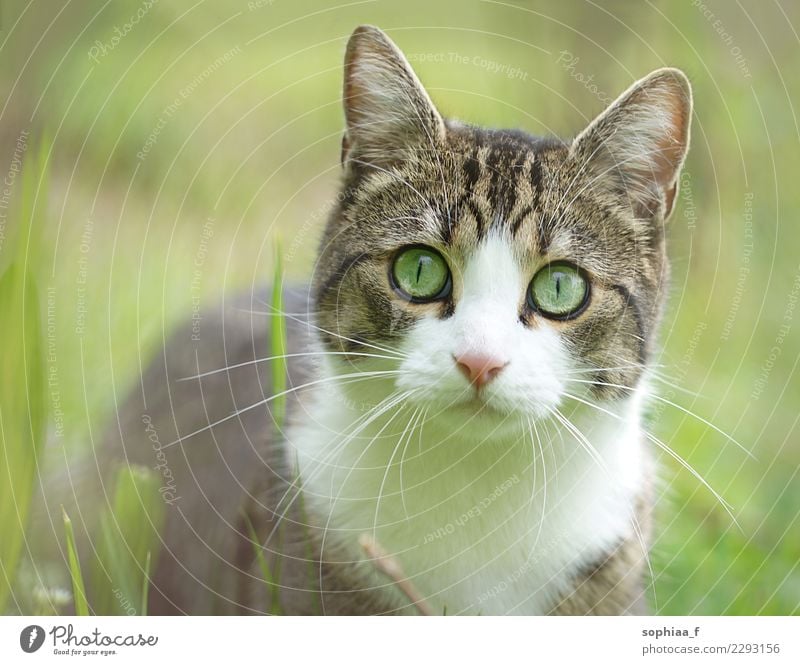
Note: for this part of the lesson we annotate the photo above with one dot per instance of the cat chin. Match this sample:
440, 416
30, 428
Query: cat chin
498, 406
478, 419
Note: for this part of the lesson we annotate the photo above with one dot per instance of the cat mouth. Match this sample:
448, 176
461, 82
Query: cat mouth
477, 405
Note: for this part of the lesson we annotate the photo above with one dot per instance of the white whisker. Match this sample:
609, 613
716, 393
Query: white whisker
284, 356
532, 421
360, 342
677, 406
238, 412
356, 428
670, 452
421, 424
395, 450
631, 512
353, 467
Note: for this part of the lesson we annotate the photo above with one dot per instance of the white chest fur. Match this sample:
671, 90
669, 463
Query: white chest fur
479, 526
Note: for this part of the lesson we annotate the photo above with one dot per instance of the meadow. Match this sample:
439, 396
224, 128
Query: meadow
154, 155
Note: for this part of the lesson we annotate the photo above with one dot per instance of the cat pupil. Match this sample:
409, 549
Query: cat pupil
558, 286
419, 267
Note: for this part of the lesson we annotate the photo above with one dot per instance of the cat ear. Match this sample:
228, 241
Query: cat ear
388, 112
639, 143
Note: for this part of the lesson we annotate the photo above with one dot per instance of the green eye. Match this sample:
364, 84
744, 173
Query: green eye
421, 274
559, 290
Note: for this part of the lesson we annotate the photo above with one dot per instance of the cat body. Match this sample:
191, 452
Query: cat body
468, 374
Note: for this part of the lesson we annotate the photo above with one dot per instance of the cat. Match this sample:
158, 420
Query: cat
467, 375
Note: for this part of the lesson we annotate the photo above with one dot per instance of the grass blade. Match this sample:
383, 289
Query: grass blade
78, 588
23, 396
278, 343
266, 573
145, 586
129, 533
312, 569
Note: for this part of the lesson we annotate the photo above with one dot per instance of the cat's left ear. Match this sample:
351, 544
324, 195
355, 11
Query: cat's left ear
638, 145
388, 112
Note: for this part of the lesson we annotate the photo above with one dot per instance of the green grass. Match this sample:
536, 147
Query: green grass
256, 146
129, 535
75, 572
271, 579
277, 339
129, 531
23, 414
148, 562
278, 367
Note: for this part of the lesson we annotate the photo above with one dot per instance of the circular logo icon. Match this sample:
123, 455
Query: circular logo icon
31, 638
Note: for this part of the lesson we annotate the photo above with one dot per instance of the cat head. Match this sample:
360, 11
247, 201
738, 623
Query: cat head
496, 272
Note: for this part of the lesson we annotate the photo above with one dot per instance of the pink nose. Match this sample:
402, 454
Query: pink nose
479, 368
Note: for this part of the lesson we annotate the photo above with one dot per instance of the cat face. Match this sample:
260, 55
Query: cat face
494, 271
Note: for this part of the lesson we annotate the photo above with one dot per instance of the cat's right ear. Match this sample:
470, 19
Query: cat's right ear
389, 114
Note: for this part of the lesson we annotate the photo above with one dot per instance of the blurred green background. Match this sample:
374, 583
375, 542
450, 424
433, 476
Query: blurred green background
184, 136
